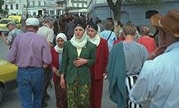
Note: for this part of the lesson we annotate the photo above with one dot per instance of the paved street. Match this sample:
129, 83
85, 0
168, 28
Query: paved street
11, 99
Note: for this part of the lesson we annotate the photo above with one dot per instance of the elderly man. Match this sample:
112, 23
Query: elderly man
12, 34
157, 85
47, 32
31, 53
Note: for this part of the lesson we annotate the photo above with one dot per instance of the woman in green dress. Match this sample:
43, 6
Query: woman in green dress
78, 56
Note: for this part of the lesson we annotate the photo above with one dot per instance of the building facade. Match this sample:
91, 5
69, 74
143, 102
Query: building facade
129, 12
44, 7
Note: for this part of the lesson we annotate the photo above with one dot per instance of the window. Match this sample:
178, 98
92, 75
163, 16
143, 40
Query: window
39, 3
17, 6
80, 5
33, 3
6, 7
11, 7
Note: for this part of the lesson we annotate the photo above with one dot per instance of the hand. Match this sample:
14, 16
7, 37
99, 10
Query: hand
44, 66
105, 75
79, 62
62, 81
55, 71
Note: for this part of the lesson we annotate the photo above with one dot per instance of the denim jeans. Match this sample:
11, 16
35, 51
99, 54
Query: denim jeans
30, 83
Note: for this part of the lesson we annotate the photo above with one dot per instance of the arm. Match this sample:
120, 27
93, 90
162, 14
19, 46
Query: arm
5, 39
46, 53
12, 54
144, 89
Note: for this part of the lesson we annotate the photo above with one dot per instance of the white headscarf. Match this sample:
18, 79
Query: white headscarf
79, 43
57, 48
95, 40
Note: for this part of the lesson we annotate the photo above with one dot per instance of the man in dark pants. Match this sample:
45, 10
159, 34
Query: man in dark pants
47, 32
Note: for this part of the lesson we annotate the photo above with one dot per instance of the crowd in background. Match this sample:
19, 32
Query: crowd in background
84, 52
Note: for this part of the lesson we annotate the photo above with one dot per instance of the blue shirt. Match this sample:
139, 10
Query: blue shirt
157, 85
105, 34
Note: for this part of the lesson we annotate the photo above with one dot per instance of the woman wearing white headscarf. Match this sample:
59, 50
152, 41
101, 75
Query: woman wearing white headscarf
98, 70
78, 56
60, 93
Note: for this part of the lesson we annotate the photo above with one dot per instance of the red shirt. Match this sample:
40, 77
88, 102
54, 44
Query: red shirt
119, 40
55, 61
100, 65
148, 42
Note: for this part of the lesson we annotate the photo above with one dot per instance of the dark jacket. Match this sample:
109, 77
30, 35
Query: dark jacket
69, 70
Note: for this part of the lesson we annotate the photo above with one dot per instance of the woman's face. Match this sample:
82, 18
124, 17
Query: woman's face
91, 32
79, 31
60, 42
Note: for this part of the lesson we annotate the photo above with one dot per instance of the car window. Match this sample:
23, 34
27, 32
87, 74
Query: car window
4, 21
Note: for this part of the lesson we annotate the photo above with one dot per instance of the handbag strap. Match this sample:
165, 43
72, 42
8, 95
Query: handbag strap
109, 35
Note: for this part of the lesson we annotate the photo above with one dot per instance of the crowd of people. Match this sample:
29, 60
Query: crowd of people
77, 54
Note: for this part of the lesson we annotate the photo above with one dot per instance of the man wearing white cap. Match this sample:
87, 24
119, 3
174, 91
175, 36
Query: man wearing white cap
31, 53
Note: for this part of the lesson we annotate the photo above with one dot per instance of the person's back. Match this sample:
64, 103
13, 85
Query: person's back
157, 85
70, 29
46, 32
30, 47
135, 55
12, 34
164, 80
109, 34
31, 53
146, 40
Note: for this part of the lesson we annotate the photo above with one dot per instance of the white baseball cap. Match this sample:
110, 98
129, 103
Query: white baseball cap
32, 21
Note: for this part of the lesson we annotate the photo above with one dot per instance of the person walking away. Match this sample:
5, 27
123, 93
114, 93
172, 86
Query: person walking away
31, 53
46, 31
60, 93
157, 84
125, 62
70, 27
146, 40
109, 34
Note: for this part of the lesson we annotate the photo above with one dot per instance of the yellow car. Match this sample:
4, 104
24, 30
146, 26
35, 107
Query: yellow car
5, 21
8, 73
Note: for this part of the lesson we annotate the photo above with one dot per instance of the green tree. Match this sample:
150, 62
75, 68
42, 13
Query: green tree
115, 5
